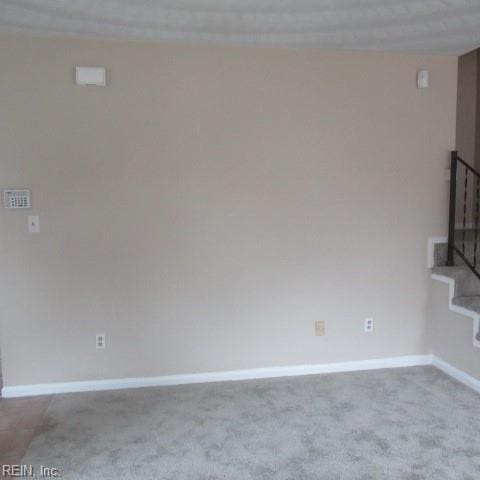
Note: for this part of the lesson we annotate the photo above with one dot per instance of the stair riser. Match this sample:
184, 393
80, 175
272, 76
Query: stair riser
440, 254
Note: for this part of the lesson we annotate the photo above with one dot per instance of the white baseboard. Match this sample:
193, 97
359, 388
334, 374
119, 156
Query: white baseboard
456, 373
255, 373
234, 375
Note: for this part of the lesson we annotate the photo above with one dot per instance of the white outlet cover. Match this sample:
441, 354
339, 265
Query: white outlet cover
368, 325
100, 341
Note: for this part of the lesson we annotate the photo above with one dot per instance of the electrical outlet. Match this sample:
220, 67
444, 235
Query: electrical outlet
319, 328
368, 325
100, 340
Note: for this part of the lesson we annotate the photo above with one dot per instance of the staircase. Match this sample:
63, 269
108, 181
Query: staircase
467, 285
464, 286
456, 260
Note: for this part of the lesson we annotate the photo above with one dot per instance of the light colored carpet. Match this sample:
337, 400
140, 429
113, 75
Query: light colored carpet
407, 424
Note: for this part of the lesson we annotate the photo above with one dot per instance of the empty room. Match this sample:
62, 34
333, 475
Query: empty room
240, 240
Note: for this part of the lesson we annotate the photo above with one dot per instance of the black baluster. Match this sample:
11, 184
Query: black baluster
477, 210
464, 210
452, 207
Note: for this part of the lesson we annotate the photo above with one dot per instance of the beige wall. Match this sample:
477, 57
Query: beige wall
213, 202
451, 334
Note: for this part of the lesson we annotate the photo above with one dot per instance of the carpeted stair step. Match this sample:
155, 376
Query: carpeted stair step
455, 272
469, 234
470, 302
440, 252
466, 283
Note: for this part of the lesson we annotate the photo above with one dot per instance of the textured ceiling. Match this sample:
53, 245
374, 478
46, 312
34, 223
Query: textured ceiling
434, 26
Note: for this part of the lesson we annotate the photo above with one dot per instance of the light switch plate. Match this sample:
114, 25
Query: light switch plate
319, 328
422, 78
33, 224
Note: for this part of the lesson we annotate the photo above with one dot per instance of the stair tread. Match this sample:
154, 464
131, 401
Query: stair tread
471, 302
453, 272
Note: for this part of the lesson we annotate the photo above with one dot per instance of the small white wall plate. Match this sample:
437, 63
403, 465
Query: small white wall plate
91, 76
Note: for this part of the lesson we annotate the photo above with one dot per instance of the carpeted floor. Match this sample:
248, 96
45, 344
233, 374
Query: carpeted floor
406, 424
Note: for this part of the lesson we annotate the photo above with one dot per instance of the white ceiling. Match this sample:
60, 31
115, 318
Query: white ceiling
431, 26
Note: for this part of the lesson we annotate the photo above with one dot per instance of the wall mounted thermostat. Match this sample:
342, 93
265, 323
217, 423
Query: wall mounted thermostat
16, 199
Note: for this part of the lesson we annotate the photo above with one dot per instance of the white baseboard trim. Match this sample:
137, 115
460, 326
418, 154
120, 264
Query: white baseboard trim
456, 373
233, 375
